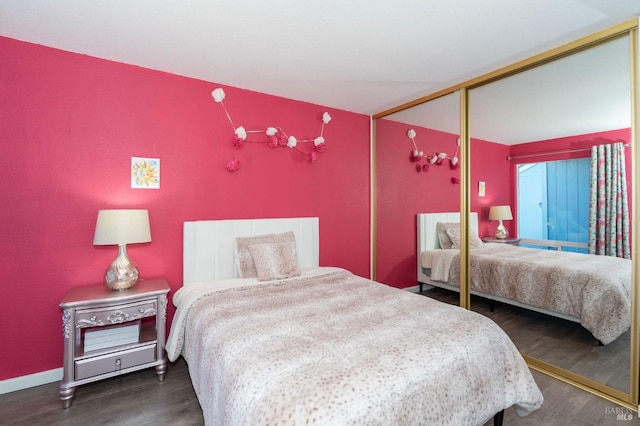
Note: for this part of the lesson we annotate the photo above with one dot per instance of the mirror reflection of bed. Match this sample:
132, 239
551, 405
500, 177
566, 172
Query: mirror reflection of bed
507, 287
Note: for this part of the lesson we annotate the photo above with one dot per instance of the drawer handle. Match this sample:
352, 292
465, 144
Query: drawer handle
118, 364
93, 317
141, 310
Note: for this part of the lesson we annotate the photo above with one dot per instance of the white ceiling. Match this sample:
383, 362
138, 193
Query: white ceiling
363, 56
583, 93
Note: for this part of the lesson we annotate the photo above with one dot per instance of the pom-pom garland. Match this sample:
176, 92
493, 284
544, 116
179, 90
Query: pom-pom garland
437, 158
275, 136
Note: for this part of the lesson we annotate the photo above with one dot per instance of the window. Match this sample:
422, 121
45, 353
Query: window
553, 201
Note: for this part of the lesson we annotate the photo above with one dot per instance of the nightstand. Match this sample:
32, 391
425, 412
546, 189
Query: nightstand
512, 241
108, 333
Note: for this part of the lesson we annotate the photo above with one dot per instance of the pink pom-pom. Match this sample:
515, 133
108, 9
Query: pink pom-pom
425, 167
238, 142
312, 157
233, 165
453, 166
273, 142
418, 167
321, 147
455, 180
282, 139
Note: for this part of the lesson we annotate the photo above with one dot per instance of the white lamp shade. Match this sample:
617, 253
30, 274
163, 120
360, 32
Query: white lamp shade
500, 213
122, 226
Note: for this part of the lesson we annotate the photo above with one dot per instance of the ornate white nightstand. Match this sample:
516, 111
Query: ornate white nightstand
108, 333
512, 241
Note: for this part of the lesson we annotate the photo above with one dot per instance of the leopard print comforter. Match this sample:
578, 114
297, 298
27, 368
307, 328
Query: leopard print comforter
339, 349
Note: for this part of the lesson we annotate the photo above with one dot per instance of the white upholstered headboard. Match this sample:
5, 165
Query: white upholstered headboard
209, 245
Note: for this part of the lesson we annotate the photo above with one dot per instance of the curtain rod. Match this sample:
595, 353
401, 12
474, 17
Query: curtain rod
511, 157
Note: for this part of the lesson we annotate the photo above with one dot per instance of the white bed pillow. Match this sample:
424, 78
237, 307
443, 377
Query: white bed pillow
274, 261
454, 235
443, 238
244, 262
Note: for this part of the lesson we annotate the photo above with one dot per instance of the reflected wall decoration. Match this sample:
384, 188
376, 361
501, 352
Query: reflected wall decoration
424, 161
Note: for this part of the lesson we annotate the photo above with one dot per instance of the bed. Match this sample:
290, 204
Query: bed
327, 346
591, 290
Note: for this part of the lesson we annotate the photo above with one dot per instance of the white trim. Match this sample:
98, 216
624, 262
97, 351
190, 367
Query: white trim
30, 380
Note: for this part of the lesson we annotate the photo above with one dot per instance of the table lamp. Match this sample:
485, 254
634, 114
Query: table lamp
500, 213
122, 227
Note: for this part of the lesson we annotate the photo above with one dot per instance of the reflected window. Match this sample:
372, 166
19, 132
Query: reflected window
553, 202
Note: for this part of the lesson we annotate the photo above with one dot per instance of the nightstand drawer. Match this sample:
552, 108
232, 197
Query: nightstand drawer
114, 362
106, 316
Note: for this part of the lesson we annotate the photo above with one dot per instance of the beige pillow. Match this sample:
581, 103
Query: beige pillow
454, 235
244, 262
441, 229
275, 261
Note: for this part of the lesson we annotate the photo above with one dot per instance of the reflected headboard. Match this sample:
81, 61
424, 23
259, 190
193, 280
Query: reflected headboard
209, 245
427, 235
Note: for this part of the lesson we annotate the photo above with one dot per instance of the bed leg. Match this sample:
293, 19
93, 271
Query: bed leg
497, 419
492, 306
420, 287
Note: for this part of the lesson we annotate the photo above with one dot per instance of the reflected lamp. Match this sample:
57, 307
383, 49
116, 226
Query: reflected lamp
121, 227
500, 213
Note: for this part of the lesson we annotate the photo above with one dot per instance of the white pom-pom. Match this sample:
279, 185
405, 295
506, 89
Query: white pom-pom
292, 142
454, 160
411, 133
420, 153
271, 131
326, 118
241, 133
416, 153
218, 95
318, 141
433, 159
458, 141
442, 155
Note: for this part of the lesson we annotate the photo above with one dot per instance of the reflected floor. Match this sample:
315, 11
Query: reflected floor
556, 341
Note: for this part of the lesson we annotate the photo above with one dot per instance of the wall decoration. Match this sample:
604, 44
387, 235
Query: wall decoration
481, 189
424, 162
274, 137
145, 173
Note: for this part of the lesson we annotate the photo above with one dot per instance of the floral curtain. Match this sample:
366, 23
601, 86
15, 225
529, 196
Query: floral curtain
609, 206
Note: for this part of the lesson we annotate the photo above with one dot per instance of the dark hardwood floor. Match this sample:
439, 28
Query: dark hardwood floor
139, 399
557, 341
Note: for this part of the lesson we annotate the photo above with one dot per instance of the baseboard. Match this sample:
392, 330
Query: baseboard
30, 380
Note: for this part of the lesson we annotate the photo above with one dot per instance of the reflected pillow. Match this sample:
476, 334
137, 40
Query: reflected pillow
244, 262
454, 235
275, 261
443, 238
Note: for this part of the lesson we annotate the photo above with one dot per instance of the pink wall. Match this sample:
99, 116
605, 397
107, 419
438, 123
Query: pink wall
489, 164
70, 125
402, 192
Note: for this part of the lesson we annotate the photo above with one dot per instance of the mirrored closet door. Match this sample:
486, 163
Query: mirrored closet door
547, 117
414, 149
526, 133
